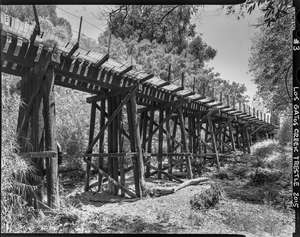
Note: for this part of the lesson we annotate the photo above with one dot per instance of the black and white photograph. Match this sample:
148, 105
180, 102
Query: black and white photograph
149, 118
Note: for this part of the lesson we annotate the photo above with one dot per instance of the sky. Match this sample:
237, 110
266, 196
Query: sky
229, 36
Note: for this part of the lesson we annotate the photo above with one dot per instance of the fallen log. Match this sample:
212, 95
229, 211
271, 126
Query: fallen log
154, 190
191, 182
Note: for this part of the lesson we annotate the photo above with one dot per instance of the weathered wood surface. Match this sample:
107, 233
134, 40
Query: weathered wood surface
39, 154
156, 190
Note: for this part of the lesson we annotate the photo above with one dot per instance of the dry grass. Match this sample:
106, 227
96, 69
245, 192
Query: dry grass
168, 214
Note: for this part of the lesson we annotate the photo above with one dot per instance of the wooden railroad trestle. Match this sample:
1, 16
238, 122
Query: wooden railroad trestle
147, 125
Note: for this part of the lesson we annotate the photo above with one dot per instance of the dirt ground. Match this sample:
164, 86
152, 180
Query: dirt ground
101, 212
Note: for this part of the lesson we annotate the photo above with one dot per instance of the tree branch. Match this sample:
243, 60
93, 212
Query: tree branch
168, 13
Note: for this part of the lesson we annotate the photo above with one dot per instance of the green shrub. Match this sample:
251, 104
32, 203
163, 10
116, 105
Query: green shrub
207, 199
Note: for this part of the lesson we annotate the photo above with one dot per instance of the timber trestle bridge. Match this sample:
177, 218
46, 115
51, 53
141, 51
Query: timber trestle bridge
167, 126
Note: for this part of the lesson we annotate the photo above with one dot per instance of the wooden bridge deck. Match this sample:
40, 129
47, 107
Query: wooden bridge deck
98, 74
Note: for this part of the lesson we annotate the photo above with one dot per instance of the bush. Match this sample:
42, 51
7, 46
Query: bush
263, 149
207, 199
222, 174
14, 169
285, 132
264, 175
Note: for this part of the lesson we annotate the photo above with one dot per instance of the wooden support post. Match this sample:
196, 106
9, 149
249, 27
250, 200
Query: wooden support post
160, 143
101, 142
116, 142
91, 136
37, 113
206, 136
174, 132
214, 142
149, 144
247, 138
50, 138
190, 133
237, 134
121, 159
184, 144
37, 127
230, 128
135, 144
113, 144
243, 138
169, 147
144, 124
199, 128
141, 125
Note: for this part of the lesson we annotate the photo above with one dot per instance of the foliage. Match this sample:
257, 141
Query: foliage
264, 175
201, 50
154, 53
153, 58
272, 9
271, 52
206, 199
285, 133
72, 120
169, 25
263, 149
25, 13
270, 64
56, 32
15, 171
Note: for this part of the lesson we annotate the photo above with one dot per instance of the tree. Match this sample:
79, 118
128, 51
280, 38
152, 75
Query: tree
201, 50
272, 9
271, 53
271, 63
25, 13
169, 25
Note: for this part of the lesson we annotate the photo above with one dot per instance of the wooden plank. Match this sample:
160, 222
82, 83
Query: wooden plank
122, 73
147, 78
102, 60
163, 84
111, 154
172, 154
177, 89
41, 154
